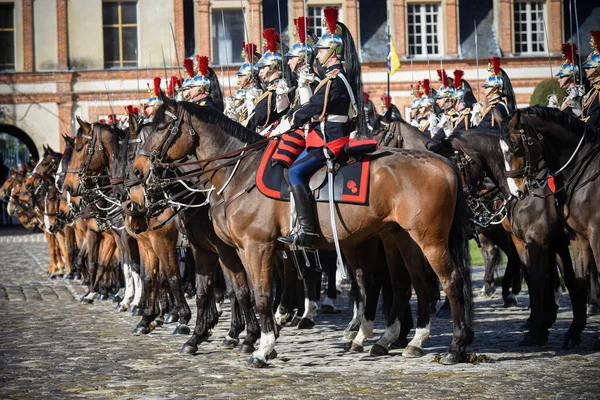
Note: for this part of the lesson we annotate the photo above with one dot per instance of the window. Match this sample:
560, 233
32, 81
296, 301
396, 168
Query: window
7, 37
188, 28
119, 22
529, 27
227, 39
316, 20
423, 29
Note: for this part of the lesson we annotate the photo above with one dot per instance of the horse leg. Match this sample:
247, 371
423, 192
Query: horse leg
357, 307
136, 270
52, 267
491, 257
220, 290
235, 272
150, 288
206, 312
309, 283
288, 278
328, 262
93, 239
576, 281
259, 259
165, 242
594, 293
105, 255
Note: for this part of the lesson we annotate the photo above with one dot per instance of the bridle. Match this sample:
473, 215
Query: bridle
90, 183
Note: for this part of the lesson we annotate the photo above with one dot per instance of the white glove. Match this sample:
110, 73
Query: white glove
552, 101
282, 87
305, 78
477, 114
433, 121
283, 127
580, 90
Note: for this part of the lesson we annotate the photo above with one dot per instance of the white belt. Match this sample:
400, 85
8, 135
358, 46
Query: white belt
342, 119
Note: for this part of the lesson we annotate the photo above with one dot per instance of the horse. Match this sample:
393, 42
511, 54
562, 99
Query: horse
396, 206
546, 147
536, 228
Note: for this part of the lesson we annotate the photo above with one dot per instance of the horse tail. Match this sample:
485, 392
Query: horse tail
459, 246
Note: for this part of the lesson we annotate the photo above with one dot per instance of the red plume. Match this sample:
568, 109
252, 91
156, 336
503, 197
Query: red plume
458, 75
569, 50
102, 121
136, 110
366, 97
188, 64
249, 49
129, 110
426, 87
443, 77
301, 24
272, 38
203, 65
496, 62
386, 101
596, 39
419, 91
157, 86
331, 16
172, 85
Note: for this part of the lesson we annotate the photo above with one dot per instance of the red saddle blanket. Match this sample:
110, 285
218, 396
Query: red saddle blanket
351, 182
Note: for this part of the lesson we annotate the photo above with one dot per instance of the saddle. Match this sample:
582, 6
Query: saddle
350, 179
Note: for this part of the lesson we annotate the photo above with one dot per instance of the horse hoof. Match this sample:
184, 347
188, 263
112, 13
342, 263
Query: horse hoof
69, 277
257, 362
378, 351
272, 355
358, 348
400, 343
189, 349
89, 301
593, 309
60, 275
141, 330
329, 309
137, 312
171, 319
526, 326
530, 339
487, 291
413, 352
453, 358
121, 308
83, 299
510, 301
247, 349
350, 335
230, 343
182, 330
444, 313
305, 323
117, 299
570, 343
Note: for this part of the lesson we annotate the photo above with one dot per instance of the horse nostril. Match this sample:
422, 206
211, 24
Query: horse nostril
68, 188
137, 173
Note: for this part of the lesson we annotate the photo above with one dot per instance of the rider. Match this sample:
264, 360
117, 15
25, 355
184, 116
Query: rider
446, 101
465, 102
590, 110
153, 102
241, 105
428, 110
333, 111
415, 105
203, 88
270, 106
568, 77
499, 94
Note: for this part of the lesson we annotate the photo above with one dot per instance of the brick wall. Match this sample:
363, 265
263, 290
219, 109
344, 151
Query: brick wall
62, 34
28, 62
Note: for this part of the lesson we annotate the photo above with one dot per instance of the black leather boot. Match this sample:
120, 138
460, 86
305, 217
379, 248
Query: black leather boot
304, 209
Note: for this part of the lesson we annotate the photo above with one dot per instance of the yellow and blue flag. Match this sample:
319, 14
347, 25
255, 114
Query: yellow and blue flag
392, 59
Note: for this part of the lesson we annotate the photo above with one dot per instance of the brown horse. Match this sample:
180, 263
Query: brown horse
414, 193
546, 147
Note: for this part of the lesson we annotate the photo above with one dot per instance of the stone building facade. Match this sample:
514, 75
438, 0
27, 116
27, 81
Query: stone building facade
69, 57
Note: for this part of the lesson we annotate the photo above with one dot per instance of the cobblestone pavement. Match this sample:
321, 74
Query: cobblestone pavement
52, 346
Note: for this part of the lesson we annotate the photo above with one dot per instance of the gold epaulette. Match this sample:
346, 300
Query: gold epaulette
332, 73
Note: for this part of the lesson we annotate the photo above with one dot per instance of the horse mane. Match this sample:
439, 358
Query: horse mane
212, 116
572, 124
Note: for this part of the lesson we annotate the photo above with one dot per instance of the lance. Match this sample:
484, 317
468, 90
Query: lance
571, 28
250, 56
389, 46
428, 67
304, 11
549, 58
176, 53
578, 43
477, 61
226, 52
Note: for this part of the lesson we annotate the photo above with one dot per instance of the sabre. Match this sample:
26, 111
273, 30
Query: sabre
226, 51
280, 34
112, 112
428, 67
164, 65
304, 12
578, 43
571, 28
477, 61
549, 59
176, 53
137, 77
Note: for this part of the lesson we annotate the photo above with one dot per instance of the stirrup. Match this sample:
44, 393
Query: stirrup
299, 240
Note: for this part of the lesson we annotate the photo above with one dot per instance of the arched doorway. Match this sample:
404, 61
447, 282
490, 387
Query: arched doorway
16, 146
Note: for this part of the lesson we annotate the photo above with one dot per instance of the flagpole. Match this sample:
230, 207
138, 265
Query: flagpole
389, 60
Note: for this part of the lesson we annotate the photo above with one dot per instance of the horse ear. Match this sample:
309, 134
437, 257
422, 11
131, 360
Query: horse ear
83, 124
69, 140
166, 100
13, 171
497, 116
133, 124
515, 120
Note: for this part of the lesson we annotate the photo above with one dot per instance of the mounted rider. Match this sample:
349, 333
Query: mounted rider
428, 109
466, 104
568, 76
590, 109
445, 100
499, 94
241, 105
154, 101
415, 105
273, 103
332, 112
202, 85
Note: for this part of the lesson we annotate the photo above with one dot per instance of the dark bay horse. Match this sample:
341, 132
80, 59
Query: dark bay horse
537, 228
546, 147
414, 196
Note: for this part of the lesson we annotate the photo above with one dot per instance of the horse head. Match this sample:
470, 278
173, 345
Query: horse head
44, 171
7, 186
